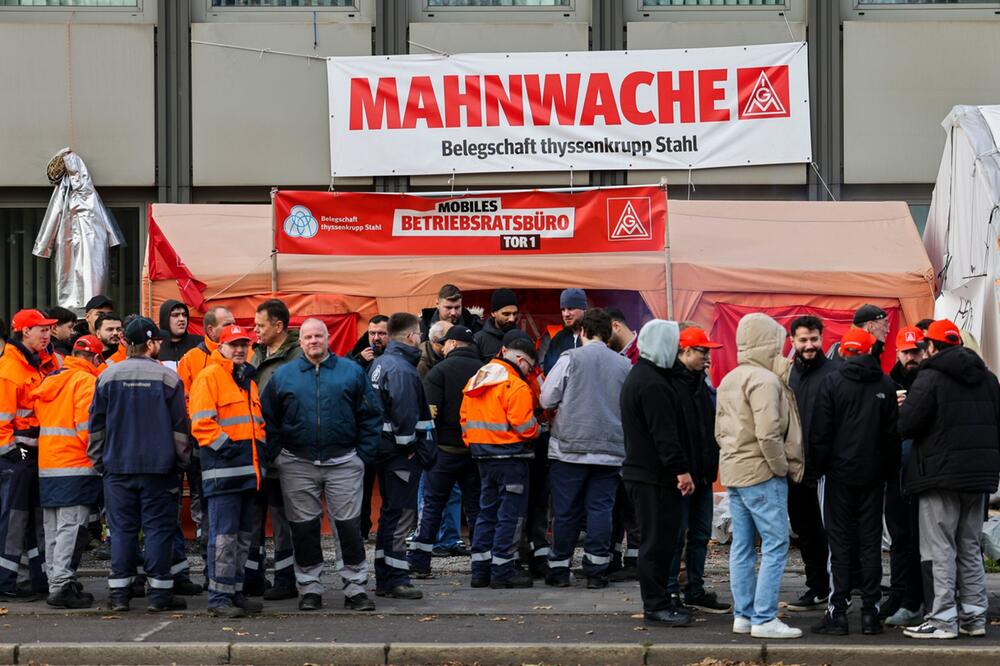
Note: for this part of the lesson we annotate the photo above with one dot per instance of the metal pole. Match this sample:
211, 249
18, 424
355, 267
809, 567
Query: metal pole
274, 249
666, 252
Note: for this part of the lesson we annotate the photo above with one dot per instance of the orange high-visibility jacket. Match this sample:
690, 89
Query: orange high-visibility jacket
193, 362
20, 373
119, 356
66, 477
227, 423
498, 412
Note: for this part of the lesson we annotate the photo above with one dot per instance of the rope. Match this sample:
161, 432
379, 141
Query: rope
260, 52
69, 81
820, 176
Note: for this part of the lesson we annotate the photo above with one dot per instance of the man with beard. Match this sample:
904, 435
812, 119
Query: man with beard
902, 607
503, 317
174, 320
808, 371
372, 344
623, 338
448, 308
91, 311
109, 331
572, 306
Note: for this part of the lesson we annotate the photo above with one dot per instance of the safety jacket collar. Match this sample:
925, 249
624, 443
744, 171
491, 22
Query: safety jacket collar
497, 371
208, 346
411, 354
23, 354
74, 364
241, 375
50, 387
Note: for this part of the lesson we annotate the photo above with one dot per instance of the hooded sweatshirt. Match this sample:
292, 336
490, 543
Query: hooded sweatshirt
757, 422
952, 413
169, 349
652, 420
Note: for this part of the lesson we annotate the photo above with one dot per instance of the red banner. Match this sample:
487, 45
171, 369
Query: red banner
628, 219
164, 264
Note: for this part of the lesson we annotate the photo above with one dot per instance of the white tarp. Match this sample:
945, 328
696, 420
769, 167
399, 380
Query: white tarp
496, 112
963, 225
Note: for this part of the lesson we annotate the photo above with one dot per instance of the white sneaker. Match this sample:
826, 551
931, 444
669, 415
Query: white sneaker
928, 630
741, 625
775, 629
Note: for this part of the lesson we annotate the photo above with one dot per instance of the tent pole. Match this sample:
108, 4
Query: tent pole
666, 254
274, 250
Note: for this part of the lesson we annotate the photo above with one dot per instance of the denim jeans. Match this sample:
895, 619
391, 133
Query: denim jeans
761, 509
692, 540
450, 532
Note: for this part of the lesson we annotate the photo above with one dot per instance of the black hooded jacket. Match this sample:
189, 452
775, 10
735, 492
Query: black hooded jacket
952, 413
853, 438
901, 378
698, 412
805, 380
489, 340
429, 317
170, 350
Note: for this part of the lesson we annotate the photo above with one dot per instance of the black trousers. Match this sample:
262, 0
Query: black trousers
366, 500
853, 515
807, 522
624, 526
902, 519
534, 547
658, 510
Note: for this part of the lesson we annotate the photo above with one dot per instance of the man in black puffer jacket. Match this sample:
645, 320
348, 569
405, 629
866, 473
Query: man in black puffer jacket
853, 441
952, 412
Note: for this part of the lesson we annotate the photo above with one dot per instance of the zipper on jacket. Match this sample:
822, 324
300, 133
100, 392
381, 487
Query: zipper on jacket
316, 373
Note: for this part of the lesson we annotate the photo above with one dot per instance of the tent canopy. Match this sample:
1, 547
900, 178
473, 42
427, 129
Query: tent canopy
749, 253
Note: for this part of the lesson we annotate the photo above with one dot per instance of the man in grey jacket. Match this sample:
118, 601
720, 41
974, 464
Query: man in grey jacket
586, 449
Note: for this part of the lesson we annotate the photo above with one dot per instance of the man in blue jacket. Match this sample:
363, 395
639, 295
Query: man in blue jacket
406, 446
322, 425
138, 442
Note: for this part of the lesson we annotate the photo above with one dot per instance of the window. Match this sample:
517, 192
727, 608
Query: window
69, 3
863, 3
437, 4
713, 3
283, 3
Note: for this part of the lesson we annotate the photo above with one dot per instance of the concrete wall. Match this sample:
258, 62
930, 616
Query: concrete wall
900, 80
112, 92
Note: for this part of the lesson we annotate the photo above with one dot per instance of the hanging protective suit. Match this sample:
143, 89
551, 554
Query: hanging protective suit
82, 230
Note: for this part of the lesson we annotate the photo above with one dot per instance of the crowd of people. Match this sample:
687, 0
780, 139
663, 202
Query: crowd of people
593, 430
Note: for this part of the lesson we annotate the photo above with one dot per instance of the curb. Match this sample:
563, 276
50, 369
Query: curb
489, 654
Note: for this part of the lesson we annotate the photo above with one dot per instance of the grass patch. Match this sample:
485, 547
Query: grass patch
991, 565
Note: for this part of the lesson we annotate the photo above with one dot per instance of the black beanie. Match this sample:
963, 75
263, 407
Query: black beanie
502, 298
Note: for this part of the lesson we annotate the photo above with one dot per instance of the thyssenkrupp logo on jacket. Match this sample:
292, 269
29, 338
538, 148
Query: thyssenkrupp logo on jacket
629, 218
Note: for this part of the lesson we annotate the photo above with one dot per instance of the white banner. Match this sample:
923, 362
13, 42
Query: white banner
608, 110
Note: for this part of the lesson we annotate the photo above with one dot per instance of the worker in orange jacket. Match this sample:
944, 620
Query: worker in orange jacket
69, 486
498, 425
227, 423
188, 368
21, 371
108, 327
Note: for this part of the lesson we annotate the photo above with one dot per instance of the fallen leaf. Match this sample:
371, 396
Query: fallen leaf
428, 618
177, 616
3, 611
590, 632
227, 629
499, 618
639, 629
111, 617
637, 616
541, 607
242, 633
782, 604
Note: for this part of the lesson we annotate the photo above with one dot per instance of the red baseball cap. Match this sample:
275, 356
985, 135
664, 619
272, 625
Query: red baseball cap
696, 337
232, 334
25, 319
89, 343
944, 330
909, 338
857, 340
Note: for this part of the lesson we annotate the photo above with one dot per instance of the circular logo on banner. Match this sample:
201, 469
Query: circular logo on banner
300, 223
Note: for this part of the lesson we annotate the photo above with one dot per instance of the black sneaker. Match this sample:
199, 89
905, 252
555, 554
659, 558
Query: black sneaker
359, 602
808, 602
871, 625
708, 602
538, 568
458, 550
80, 593
558, 579
171, 603
625, 575
832, 625
119, 605
479, 582
597, 582
68, 597
518, 580
279, 592
186, 587
247, 604
421, 574
401, 592
668, 617
229, 611
310, 602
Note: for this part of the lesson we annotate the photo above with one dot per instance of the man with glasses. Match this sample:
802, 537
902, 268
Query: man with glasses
695, 401
406, 447
870, 318
498, 425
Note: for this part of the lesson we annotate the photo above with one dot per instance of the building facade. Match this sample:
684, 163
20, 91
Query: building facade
210, 101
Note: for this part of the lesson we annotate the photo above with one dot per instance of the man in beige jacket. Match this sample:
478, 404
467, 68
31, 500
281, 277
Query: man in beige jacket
760, 437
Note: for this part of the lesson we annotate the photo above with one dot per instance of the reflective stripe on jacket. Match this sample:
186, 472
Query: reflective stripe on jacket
498, 412
193, 362
20, 372
66, 476
227, 423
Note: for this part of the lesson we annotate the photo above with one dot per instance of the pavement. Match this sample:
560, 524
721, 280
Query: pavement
454, 624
